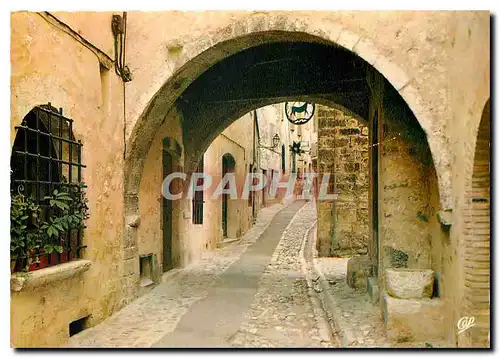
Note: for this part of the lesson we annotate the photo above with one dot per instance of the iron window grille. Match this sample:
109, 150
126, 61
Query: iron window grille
198, 198
45, 156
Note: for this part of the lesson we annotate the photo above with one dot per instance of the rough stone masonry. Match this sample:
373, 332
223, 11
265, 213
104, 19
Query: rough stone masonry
343, 151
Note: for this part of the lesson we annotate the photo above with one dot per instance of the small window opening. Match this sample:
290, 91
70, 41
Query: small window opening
435, 289
77, 326
146, 270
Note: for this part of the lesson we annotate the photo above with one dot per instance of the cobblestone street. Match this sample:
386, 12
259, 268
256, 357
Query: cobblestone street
282, 314
251, 293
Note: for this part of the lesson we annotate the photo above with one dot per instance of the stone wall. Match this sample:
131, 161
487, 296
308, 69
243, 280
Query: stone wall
190, 240
410, 235
343, 151
149, 230
50, 65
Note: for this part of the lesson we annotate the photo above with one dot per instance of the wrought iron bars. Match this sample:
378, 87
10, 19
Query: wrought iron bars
45, 157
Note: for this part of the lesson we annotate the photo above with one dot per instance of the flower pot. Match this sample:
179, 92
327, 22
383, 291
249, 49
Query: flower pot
54, 260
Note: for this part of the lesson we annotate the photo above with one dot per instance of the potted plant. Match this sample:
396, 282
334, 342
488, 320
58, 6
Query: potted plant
34, 240
25, 237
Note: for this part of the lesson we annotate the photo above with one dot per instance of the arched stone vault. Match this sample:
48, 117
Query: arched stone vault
198, 56
195, 149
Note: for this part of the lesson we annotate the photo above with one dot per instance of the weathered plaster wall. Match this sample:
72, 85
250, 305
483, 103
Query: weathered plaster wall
83, 22
271, 121
469, 77
190, 240
49, 65
149, 231
405, 207
235, 141
442, 256
410, 234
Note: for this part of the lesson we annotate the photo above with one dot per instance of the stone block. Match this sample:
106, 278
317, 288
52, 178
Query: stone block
445, 217
131, 266
409, 283
349, 131
133, 220
414, 320
348, 39
49, 275
358, 270
130, 252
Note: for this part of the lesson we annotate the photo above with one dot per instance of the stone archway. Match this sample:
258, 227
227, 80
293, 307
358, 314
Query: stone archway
477, 244
199, 56
201, 53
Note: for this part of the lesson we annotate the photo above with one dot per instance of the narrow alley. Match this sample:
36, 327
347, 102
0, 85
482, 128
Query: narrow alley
250, 179
251, 293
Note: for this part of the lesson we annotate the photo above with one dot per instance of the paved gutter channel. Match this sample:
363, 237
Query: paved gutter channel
339, 325
321, 310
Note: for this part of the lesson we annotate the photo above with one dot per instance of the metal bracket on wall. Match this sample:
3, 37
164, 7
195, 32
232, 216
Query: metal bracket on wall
119, 29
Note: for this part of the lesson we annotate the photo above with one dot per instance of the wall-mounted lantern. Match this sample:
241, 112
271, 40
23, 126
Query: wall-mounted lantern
276, 142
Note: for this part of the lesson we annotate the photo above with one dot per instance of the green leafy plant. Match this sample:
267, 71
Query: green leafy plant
30, 234
57, 224
25, 236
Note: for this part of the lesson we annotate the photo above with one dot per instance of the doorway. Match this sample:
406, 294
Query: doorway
264, 174
228, 164
167, 164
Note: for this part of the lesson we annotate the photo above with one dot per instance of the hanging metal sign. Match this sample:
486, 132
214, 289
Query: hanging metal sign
299, 112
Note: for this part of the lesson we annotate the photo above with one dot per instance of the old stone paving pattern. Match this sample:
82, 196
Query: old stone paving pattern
150, 317
281, 314
242, 295
360, 321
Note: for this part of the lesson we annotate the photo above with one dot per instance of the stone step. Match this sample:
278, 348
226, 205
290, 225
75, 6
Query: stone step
415, 320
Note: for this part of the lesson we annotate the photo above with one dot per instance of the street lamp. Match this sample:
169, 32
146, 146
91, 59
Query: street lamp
275, 144
276, 140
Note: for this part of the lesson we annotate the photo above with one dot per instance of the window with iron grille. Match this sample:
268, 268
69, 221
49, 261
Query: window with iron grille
198, 197
46, 169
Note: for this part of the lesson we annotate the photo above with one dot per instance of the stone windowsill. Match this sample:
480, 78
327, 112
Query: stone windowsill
24, 281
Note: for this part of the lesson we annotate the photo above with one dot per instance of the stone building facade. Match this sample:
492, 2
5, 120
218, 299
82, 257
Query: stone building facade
419, 77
